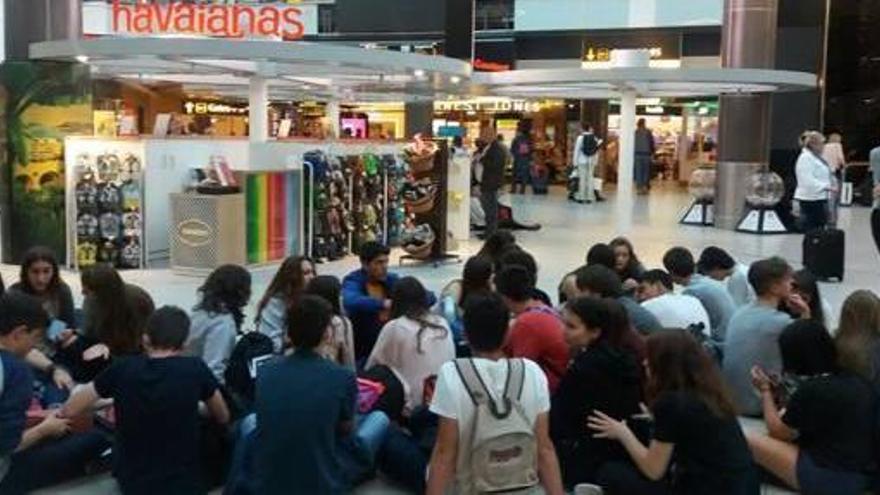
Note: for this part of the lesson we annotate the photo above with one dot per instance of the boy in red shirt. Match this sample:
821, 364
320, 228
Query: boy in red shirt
537, 330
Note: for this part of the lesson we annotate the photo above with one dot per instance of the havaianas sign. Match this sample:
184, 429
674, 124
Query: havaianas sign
150, 17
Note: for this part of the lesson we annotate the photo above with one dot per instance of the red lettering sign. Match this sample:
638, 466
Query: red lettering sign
148, 17
487, 66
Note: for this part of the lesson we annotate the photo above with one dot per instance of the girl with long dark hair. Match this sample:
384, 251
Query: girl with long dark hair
286, 286
858, 336
626, 263
603, 375
40, 278
806, 286
217, 318
476, 279
115, 313
820, 420
415, 343
694, 417
338, 344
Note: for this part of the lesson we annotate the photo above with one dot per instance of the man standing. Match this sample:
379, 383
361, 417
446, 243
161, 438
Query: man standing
494, 159
875, 215
644, 149
586, 156
521, 148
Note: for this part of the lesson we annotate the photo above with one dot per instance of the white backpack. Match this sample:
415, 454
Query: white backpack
503, 448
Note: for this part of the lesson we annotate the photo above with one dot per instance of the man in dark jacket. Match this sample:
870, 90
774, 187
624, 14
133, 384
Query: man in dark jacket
493, 160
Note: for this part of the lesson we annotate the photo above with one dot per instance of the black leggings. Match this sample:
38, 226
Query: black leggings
814, 214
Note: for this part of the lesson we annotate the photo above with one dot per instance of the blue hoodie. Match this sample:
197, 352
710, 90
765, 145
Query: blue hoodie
363, 310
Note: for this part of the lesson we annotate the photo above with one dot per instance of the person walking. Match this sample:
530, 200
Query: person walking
644, 150
493, 160
586, 156
521, 148
814, 183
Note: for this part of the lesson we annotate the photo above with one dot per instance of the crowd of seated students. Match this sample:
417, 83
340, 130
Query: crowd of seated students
634, 383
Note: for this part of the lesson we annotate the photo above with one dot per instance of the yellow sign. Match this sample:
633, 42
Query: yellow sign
603, 53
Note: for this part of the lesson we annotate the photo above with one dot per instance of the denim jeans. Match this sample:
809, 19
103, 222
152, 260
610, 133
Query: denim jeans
51, 396
53, 462
642, 170
357, 452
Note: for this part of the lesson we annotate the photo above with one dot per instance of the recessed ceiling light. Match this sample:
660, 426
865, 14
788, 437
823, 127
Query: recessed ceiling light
455, 79
83, 59
419, 73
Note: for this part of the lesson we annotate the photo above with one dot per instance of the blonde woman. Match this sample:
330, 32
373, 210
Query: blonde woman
814, 183
858, 336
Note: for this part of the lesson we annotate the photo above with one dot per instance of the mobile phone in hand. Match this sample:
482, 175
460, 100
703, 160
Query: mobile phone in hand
55, 329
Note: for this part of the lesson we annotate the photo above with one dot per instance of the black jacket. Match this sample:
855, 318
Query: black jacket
600, 378
493, 161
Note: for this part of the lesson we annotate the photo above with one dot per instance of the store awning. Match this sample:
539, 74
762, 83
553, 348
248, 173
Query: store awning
644, 81
296, 70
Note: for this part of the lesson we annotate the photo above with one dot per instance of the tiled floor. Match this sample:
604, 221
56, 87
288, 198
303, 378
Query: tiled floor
650, 222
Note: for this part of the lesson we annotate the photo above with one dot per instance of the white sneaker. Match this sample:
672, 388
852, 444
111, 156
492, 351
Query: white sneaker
587, 489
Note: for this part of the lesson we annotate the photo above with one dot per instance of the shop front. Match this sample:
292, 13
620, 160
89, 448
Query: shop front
163, 147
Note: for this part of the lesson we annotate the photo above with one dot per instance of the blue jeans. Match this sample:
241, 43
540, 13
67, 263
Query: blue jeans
642, 172
357, 452
50, 395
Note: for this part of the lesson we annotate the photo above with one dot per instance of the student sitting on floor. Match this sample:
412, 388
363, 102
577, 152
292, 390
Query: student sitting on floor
308, 439
603, 375
599, 281
679, 262
806, 286
671, 309
455, 462
476, 278
626, 264
858, 336
415, 343
218, 317
695, 427
288, 284
755, 328
516, 256
338, 345
717, 264
820, 436
47, 453
537, 331
156, 397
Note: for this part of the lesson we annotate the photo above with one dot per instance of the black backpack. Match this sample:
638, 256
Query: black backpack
251, 351
590, 145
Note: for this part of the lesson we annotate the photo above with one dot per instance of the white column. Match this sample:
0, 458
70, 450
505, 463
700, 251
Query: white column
259, 110
333, 119
627, 145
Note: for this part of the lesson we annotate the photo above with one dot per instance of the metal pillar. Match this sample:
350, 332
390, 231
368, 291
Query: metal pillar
627, 145
744, 119
258, 98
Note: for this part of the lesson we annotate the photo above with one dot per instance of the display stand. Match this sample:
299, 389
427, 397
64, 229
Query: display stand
436, 179
701, 212
207, 232
105, 203
761, 221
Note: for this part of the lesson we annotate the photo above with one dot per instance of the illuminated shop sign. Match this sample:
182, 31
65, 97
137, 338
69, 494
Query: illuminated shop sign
491, 106
489, 66
213, 108
603, 54
152, 17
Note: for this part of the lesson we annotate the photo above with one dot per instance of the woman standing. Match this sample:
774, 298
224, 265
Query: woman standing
602, 376
694, 418
814, 183
820, 437
217, 319
836, 160
289, 282
338, 344
415, 343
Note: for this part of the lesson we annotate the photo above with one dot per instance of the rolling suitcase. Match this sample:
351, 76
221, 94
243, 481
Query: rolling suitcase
824, 252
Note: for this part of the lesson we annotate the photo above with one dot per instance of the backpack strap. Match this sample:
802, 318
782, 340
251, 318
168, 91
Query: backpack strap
516, 374
472, 380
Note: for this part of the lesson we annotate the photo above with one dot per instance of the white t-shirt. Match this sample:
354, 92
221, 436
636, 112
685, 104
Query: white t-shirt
451, 399
397, 347
679, 311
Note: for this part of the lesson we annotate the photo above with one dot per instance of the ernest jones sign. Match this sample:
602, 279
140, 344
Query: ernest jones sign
221, 21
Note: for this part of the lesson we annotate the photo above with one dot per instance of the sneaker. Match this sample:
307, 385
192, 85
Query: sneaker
587, 489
